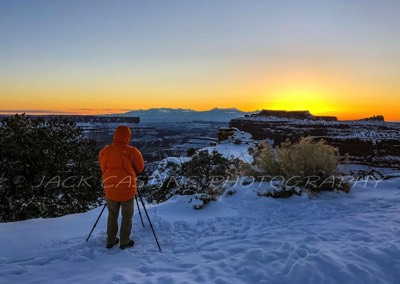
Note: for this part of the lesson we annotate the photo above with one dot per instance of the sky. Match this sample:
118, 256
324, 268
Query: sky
339, 57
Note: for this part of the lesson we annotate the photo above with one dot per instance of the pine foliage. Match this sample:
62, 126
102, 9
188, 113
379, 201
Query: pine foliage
47, 169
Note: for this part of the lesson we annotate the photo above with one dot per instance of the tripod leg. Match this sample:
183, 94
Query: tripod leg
140, 213
105, 204
151, 225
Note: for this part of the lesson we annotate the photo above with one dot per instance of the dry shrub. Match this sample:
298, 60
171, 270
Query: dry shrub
308, 158
305, 160
264, 162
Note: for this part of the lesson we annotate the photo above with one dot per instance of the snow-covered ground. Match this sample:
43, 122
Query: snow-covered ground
242, 238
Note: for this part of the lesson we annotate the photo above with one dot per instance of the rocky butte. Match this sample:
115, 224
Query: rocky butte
371, 141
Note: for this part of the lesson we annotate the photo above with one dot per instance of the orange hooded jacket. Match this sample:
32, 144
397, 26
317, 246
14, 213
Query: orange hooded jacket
119, 164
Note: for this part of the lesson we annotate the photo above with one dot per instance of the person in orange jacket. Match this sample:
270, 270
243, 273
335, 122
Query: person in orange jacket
119, 164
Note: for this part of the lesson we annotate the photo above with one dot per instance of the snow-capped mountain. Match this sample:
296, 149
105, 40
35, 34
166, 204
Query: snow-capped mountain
156, 115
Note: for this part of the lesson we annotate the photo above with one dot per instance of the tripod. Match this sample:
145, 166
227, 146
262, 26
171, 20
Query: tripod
140, 214
148, 218
104, 207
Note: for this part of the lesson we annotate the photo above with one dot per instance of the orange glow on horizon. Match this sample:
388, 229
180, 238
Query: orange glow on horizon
315, 108
321, 95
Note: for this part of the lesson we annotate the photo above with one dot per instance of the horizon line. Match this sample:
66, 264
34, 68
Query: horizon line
102, 112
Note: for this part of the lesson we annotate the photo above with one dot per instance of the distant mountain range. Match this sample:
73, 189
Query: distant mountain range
159, 115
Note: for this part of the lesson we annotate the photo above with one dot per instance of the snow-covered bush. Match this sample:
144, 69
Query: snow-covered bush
310, 164
204, 175
47, 169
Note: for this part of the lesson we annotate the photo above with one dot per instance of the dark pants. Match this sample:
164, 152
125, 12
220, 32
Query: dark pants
126, 222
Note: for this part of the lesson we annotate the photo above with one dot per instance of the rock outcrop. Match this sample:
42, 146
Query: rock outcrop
371, 141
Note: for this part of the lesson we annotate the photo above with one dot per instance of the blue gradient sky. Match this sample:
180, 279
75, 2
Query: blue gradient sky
331, 57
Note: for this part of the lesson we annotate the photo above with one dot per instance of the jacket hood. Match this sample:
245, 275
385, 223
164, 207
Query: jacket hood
122, 135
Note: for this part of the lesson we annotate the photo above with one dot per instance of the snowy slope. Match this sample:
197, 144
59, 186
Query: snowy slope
243, 238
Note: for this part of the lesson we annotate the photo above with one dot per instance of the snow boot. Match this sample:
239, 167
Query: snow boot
110, 246
128, 245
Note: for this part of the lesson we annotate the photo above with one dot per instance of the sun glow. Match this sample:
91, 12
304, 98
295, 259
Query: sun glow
300, 98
